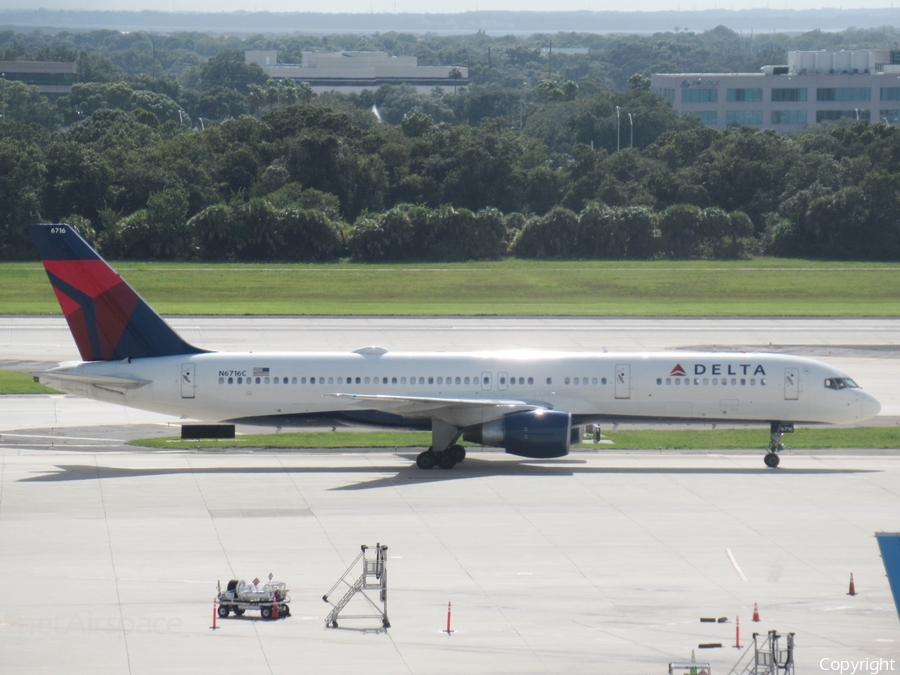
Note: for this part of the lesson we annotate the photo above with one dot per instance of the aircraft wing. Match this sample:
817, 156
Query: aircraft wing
459, 412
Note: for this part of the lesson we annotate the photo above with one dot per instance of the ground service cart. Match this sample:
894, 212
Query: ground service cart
271, 599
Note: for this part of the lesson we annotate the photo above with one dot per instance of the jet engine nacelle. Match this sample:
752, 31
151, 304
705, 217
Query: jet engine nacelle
539, 434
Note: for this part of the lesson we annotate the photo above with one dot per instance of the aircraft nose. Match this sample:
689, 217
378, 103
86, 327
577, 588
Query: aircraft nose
870, 406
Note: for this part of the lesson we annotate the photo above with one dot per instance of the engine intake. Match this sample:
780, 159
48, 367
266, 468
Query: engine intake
539, 434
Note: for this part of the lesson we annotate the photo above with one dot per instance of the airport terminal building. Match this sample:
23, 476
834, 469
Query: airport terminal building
355, 71
813, 87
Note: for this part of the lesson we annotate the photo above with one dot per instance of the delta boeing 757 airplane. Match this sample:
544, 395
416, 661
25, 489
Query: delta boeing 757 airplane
531, 404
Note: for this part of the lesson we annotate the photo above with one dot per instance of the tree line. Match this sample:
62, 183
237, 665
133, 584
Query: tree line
270, 171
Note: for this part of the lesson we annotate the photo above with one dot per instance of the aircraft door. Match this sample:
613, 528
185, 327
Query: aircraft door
187, 380
485, 381
502, 381
623, 381
791, 384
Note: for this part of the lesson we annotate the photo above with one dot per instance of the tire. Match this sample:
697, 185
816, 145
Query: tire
426, 460
772, 460
459, 452
238, 611
266, 612
223, 611
284, 610
447, 459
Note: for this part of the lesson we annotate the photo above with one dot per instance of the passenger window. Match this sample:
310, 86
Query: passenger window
715, 380
705, 381
594, 381
743, 382
293, 380
221, 380
549, 380
383, 380
240, 380
487, 380
458, 380
257, 380
576, 381
584, 381
302, 380
677, 380
402, 380
762, 382
687, 381
330, 380
430, 380
230, 380
668, 380
393, 380
733, 381
366, 380
696, 380
466, 380
312, 380
567, 380
752, 381
530, 380
440, 380
340, 380
285, 380
358, 381
502, 380
603, 381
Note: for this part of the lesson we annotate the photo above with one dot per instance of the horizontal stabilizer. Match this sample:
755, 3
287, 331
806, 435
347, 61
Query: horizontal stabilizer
105, 381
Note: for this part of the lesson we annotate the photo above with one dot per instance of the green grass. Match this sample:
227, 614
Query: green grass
762, 287
14, 382
711, 439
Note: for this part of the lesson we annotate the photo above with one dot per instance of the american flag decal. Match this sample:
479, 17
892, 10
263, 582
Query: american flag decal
260, 372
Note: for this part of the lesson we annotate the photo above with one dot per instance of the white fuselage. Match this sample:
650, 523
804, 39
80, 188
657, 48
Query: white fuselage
704, 386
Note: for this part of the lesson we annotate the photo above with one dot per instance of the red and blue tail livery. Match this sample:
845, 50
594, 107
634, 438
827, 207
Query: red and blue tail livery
108, 319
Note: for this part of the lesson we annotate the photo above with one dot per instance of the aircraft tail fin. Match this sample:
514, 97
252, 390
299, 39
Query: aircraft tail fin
107, 317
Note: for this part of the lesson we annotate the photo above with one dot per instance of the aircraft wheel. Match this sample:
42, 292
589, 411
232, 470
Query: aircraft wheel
447, 459
772, 460
426, 460
459, 452
223, 611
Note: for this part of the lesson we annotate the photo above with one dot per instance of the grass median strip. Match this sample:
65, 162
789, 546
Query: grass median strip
759, 287
705, 439
15, 382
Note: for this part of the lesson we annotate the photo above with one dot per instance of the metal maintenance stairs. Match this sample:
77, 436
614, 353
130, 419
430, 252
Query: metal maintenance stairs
768, 658
373, 577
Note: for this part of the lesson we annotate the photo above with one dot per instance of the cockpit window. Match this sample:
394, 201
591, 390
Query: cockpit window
840, 383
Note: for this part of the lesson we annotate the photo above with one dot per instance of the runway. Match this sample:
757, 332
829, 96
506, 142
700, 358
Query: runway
601, 562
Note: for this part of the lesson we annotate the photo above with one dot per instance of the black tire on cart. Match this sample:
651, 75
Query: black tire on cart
334, 624
223, 611
284, 610
238, 611
266, 612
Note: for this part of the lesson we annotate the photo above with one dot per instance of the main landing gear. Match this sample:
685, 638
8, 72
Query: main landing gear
446, 459
775, 444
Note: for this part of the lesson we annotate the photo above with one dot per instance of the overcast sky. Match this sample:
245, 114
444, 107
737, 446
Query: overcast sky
416, 6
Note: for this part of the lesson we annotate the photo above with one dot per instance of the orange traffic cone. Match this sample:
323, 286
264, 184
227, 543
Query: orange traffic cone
852, 590
755, 612
275, 611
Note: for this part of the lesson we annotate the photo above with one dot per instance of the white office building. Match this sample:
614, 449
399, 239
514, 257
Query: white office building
355, 71
813, 87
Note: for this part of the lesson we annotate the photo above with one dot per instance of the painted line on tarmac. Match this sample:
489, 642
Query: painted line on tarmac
737, 568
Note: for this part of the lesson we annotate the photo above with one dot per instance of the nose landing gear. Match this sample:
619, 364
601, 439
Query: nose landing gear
775, 445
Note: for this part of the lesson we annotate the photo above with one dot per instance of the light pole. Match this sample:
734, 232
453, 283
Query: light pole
631, 122
3, 111
618, 134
